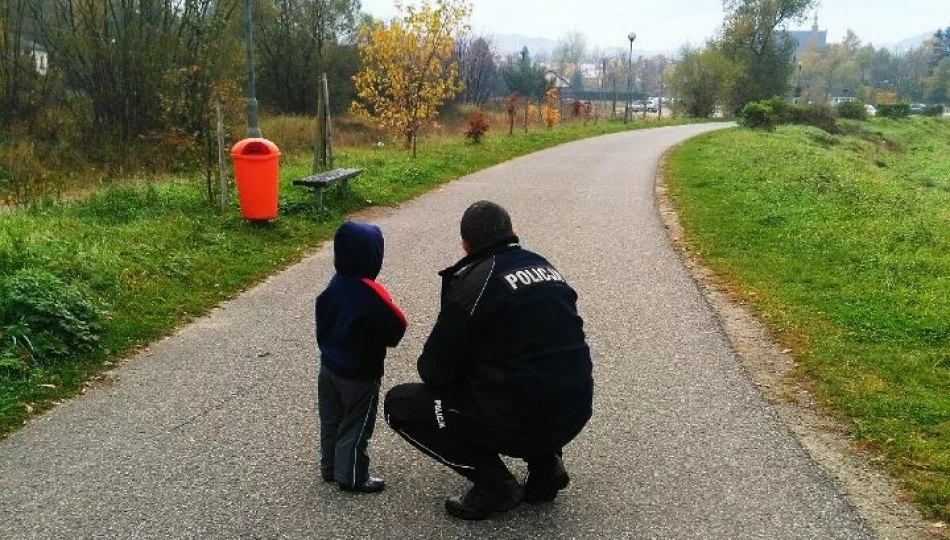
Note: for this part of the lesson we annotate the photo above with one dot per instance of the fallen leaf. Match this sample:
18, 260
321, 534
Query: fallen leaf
28, 407
786, 351
48, 385
263, 354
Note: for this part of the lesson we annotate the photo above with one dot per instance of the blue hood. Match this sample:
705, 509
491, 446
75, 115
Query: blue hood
358, 250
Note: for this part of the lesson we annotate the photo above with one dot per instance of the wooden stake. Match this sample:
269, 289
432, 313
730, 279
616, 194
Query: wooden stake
320, 146
328, 140
222, 163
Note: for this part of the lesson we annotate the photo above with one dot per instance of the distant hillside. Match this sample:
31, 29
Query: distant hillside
911, 43
512, 43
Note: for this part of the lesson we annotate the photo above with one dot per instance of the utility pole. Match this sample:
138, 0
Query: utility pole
253, 124
632, 36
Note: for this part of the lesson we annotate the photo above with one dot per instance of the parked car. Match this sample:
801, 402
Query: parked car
917, 108
637, 106
653, 105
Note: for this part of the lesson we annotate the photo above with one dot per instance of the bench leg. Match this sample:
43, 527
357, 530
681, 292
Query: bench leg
344, 188
318, 193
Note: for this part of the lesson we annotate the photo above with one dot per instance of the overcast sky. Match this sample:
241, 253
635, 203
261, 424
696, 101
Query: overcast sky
668, 24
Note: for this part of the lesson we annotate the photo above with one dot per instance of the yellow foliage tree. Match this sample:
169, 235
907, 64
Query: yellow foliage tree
550, 111
886, 97
408, 67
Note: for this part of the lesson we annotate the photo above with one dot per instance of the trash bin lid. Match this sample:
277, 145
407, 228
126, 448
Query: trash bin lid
254, 147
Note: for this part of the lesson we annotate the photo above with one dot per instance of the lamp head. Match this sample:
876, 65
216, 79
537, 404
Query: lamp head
632, 36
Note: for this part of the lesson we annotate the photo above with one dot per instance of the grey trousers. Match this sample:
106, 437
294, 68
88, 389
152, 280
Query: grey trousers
347, 409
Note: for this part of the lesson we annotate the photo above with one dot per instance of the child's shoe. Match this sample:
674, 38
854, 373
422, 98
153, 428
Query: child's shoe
370, 485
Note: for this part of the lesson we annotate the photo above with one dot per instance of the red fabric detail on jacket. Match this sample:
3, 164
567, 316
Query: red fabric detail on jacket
387, 299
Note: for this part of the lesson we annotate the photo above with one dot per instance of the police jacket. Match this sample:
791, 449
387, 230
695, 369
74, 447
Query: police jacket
508, 345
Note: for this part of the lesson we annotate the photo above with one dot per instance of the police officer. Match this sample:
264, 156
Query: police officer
506, 370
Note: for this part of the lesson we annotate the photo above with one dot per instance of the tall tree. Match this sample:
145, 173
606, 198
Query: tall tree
15, 70
525, 77
938, 84
143, 67
408, 66
297, 40
570, 51
753, 40
702, 81
941, 44
477, 71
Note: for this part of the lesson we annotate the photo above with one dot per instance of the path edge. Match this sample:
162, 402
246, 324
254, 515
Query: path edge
874, 494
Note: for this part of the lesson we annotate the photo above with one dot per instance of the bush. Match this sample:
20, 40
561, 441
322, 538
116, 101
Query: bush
771, 112
853, 110
476, 125
758, 115
894, 110
819, 116
934, 110
45, 321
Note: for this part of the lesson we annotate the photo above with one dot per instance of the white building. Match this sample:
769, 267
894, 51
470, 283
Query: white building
39, 55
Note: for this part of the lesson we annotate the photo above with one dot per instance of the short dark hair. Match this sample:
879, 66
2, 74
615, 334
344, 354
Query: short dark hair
485, 222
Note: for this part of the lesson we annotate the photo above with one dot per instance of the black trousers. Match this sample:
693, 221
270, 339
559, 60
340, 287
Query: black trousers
433, 424
347, 409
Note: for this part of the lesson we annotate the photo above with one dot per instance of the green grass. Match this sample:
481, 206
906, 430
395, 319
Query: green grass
843, 245
154, 256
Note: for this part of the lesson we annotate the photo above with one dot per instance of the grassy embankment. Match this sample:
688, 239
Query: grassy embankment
152, 256
842, 243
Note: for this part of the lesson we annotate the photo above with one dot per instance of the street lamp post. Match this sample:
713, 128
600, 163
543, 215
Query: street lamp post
632, 36
253, 124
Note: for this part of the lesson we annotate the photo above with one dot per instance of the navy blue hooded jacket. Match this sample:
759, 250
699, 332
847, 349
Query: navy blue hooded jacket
356, 318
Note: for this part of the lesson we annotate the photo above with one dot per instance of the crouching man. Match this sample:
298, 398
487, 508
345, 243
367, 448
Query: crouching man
505, 371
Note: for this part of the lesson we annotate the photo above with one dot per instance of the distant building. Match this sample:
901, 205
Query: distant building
556, 80
815, 38
38, 53
590, 70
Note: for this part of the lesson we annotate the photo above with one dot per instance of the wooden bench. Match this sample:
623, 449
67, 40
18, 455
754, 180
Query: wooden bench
320, 181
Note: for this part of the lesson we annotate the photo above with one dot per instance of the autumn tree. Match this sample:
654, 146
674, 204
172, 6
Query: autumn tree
550, 111
408, 66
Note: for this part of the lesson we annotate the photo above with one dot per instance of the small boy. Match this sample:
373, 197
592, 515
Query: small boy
355, 320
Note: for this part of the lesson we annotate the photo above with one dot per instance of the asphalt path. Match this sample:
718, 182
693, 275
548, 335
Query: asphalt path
211, 433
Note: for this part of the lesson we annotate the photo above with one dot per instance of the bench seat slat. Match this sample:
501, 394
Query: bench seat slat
324, 179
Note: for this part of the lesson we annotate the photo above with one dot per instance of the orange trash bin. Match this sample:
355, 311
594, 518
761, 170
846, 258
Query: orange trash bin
256, 173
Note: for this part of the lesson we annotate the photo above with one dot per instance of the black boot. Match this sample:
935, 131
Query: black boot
545, 480
483, 500
370, 485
